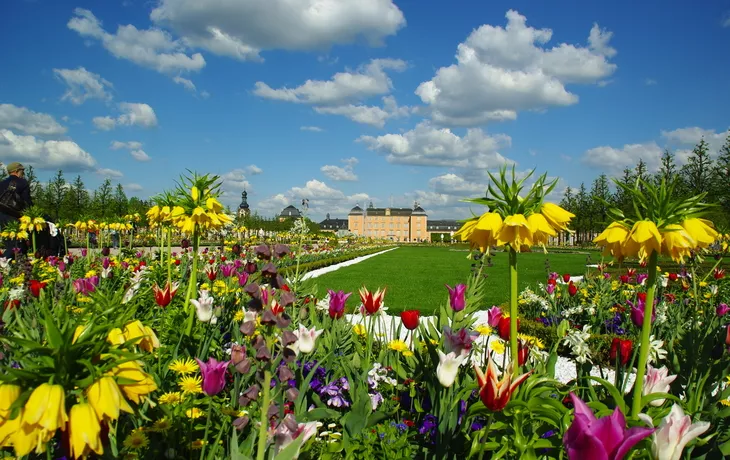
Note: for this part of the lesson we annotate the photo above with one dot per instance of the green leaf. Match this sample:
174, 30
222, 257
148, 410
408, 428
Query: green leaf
613, 391
291, 450
55, 340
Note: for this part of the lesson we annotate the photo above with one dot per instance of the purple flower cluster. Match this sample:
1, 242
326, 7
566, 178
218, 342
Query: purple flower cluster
613, 325
332, 393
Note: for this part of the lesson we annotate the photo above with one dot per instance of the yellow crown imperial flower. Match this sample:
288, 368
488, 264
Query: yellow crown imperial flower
194, 193
84, 431
556, 216
676, 242
515, 232
106, 399
612, 239
140, 384
46, 408
540, 228
700, 230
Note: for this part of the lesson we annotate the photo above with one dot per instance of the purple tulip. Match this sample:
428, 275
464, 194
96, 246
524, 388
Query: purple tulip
84, 252
722, 309
214, 375
227, 270
242, 279
637, 312
459, 342
641, 277
605, 438
456, 296
337, 303
105, 263
606, 276
494, 314
550, 288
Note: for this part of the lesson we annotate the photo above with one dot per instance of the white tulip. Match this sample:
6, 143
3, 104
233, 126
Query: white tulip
306, 337
448, 367
673, 434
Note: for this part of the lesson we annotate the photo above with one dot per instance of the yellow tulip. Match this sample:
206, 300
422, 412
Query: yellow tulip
84, 431
646, 235
540, 228
516, 232
677, 242
142, 384
46, 407
556, 216
106, 399
612, 239
8, 395
116, 337
701, 231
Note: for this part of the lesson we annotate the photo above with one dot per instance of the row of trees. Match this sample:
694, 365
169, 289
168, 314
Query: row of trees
703, 172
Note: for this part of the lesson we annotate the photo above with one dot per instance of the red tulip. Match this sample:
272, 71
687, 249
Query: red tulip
621, 349
503, 327
572, 289
496, 394
641, 296
719, 273
566, 277
673, 277
523, 351
631, 272
624, 278
551, 282
35, 287
212, 273
371, 302
410, 319
163, 297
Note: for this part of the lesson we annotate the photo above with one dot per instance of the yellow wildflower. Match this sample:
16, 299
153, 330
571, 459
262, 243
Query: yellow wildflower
191, 385
497, 346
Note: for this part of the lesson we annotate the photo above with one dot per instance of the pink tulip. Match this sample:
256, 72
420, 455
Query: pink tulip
214, 375
456, 296
605, 438
494, 314
722, 309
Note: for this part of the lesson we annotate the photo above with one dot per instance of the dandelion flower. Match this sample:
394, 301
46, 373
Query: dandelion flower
194, 413
191, 385
398, 345
184, 366
197, 444
484, 330
174, 398
161, 425
136, 440
497, 346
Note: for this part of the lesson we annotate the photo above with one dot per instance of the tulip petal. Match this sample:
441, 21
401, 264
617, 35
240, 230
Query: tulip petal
632, 437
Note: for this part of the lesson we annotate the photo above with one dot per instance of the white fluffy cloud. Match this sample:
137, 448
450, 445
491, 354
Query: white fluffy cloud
241, 29
427, 145
315, 129
132, 187
82, 85
680, 141
502, 70
369, 80
614, 160
187, 84
44, 154
342, 94
339, 173
322, 198
254, 170
26, 121
109, 173
153, 48
134, 148
235, 180
133, 114
452, 184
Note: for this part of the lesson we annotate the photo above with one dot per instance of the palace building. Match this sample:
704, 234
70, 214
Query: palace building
395, 224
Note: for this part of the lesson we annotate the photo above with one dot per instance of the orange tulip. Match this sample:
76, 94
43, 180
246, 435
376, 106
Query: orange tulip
496, 394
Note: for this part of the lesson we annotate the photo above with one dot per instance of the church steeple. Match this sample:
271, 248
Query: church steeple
243, 209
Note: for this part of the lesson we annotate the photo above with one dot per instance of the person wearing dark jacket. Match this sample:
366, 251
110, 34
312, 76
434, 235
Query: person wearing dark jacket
16, 176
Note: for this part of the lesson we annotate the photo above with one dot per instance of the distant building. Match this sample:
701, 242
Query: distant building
290, 212
447, 228
332, 225
395, 224
243, 209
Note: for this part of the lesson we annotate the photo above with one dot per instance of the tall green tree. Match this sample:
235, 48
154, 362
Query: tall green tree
697, 173
668, 167
621, 199
76, 204
721, 182
120, 201
55, 195
103, 198
600, 198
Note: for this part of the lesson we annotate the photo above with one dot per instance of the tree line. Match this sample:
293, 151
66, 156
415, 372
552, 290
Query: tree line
701, 173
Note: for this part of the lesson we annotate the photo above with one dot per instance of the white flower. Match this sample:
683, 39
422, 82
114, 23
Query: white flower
657, 381
448, 367
52, 229
713, 289
203, 306
576, 340
675, 431
306, 337
5, 263
656, 352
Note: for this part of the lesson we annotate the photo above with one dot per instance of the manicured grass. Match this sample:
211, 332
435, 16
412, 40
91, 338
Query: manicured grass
415, 276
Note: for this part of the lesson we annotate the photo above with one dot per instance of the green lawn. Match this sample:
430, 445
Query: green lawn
415, 276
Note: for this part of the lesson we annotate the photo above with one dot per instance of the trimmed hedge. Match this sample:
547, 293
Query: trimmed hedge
309, 266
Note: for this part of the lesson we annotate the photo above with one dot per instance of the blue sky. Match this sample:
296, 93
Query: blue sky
351, 101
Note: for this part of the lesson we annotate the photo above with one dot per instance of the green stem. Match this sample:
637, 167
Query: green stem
263, 427
32, 235
207, 426
513, 311
169, 256
645, 333
193, 285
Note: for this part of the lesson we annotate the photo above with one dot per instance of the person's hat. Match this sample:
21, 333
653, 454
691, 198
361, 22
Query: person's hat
15, 166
